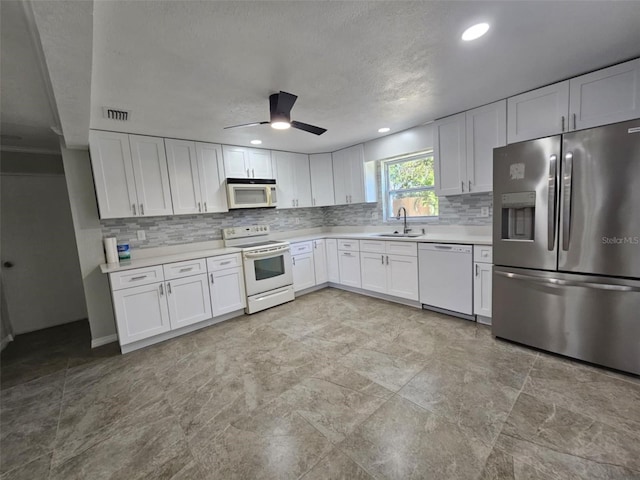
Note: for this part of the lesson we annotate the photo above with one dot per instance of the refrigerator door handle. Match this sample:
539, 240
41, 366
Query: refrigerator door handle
551, 201
569, 283
567, 173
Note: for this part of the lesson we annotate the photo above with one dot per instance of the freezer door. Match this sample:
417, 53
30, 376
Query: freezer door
585, 317
600, 208
525, 203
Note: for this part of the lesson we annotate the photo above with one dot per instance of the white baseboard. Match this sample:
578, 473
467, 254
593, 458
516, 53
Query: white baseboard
5, 341
98, 342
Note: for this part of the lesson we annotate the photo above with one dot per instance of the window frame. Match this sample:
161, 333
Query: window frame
387, 192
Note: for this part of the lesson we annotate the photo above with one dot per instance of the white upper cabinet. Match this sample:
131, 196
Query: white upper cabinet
606, 96
243, 162
293, 179
321, 171
538, 113
486, 129
113, 174
450, 155
183, 175
151, 175
349, 176
211, 177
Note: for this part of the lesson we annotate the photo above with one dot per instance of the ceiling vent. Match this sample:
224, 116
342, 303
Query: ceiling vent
116, 114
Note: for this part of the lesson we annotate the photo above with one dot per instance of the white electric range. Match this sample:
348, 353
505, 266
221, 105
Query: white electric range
267, 266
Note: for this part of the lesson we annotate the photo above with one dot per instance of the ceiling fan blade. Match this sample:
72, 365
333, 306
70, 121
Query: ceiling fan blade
246, 125
308, 128
284, 103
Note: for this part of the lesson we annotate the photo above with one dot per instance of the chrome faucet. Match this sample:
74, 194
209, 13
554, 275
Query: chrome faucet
405, 230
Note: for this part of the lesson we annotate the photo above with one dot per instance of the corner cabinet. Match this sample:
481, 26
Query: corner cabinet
321, 171
320, 261
463, 150
333, 268
353, 180
243, 162
130, 174
293, 179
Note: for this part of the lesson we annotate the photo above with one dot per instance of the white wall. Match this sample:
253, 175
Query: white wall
84, 210
414, 139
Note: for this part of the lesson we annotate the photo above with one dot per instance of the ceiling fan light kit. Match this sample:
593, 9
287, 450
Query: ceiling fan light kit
280, 105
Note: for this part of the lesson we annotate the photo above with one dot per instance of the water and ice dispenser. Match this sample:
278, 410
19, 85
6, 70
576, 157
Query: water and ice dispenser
518, 215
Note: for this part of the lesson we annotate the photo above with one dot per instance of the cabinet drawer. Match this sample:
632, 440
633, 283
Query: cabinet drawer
351, 245
184, 269
372, 246
483, 253
300, 248
136, 277
402, 248
223, 262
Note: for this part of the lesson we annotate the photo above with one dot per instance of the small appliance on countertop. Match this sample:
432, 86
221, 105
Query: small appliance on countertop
266, 264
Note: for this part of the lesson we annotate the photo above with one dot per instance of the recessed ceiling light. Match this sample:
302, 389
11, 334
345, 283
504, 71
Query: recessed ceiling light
475, 31
256, 142
383, 130
280, 125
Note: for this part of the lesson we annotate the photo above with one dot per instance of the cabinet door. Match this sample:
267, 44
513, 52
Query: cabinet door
321, 172
189, 300
304, 275
320, 261
211, 173
113, 174
482, 289
373, 272
349, 265
340, 181
450, 155
227, 291
260, 163
607, 96
302, 178
183, 176
151, 174
486, 129
356, 174
539, 113
333, 269
402, 277
141, 312
236, 162
285, 179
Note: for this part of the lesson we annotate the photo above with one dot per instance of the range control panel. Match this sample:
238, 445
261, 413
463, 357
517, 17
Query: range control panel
243, 232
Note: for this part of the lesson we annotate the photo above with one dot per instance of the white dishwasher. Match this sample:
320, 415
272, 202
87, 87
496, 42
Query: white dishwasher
446, 276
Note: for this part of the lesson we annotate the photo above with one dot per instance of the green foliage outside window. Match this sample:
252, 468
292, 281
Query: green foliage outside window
410, 184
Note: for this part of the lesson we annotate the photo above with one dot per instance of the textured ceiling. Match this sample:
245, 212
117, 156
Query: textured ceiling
26, 112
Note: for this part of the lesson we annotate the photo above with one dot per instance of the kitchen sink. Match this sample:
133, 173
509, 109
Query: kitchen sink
398, 234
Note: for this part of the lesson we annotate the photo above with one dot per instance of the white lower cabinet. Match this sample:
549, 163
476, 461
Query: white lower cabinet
482, 282
395, 275
333, 268
320, 262
189, 300
373, 272
227, 291
141, 312
304, 275
349, 266
402, 277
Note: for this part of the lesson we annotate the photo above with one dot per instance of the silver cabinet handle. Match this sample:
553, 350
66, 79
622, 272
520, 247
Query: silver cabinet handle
205, 206
227, 262
469, 185
563, 123
476, 269
248, 174
462, 185
211, 275
313, 202
186, 269
574, 121
199, 207
551, 201
141, 209
253, 173
161, 290
347, 254
387, 259
294, 260
137, 278
569, 283
169, 288
346, 244
382, 258
443, 247
567, 174
134, 209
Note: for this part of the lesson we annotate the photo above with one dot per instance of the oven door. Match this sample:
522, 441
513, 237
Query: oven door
267, 269
249, 196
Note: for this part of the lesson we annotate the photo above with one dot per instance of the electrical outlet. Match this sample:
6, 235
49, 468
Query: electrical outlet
374, 215
141, 235
296, 221
484, 212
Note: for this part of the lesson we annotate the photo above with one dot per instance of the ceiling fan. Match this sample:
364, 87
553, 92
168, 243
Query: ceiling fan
280, 105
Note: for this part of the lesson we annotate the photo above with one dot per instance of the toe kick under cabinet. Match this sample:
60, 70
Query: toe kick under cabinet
155, 303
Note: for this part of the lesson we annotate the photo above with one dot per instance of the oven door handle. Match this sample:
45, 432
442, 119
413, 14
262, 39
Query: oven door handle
270, 253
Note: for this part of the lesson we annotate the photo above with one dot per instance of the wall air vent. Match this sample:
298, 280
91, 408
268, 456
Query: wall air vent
116, 114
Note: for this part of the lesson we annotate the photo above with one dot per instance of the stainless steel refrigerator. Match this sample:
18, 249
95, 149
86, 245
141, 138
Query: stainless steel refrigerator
566, 238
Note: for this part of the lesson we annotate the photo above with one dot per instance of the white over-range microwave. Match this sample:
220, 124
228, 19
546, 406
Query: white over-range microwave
251, 193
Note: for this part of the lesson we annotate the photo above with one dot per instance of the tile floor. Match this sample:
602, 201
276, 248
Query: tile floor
334, 385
